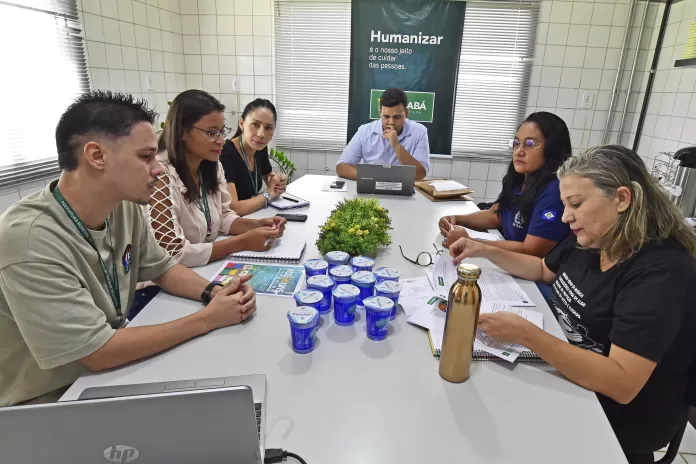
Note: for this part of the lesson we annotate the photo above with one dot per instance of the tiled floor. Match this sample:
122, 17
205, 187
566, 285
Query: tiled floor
687, 449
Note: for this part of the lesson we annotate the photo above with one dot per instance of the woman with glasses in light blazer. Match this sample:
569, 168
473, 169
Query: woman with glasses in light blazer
190, 206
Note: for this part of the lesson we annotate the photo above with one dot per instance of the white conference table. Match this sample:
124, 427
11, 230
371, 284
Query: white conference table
355, 401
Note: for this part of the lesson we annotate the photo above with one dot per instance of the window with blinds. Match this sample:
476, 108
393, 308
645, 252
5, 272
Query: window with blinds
312, 50
494, 71
312, 72
44, 69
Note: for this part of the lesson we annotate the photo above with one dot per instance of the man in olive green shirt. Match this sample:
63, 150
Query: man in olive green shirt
73, 253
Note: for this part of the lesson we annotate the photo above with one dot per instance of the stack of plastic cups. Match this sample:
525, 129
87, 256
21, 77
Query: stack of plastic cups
323, 284
345, 297
391, 290
365, 281
378, 310
341, 274
387, 273
336, 258
304, 322
362, 263
315, 267
310, 298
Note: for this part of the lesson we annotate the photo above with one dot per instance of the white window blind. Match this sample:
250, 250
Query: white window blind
43, 71
312, 72
494, 72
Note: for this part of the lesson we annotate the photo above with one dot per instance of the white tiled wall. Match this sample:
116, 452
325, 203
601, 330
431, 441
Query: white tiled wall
127, 39
671, 120
228, 50
577, 53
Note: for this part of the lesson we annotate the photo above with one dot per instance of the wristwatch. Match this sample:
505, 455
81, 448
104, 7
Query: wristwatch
205, 296
266, 196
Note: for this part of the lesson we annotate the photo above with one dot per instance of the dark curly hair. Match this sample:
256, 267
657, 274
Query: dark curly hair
102, 112
557, 149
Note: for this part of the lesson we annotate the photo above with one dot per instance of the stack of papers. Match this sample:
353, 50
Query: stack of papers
481, 235
496, 287
416, 293
507, 351
447, 185
433, 319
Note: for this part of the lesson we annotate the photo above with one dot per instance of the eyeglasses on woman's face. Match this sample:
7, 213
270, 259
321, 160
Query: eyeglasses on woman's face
527, 144
215, 134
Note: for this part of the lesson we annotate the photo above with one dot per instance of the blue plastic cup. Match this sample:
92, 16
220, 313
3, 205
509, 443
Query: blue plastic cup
315, 267
345, 297
310, 298
378, 311
304, 322
391, 290
365, 281
336, 258
341, 274
323, 284
362, 263
387, 273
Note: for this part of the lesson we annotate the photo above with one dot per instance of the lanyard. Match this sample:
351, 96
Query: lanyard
111, 283
205, 209
254, 178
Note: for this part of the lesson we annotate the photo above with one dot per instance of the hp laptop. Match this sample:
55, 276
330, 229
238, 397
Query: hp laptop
386, 179
207, 421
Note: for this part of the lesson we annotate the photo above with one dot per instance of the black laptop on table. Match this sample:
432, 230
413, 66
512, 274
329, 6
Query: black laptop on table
386, 179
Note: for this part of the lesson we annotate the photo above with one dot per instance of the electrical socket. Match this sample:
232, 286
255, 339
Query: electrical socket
148, 82
587, 100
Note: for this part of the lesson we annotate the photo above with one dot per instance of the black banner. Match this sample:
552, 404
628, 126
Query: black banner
413, 45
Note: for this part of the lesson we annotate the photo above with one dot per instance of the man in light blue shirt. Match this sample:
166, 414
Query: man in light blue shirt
392, 139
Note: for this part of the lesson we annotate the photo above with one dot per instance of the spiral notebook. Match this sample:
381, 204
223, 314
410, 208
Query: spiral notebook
480, 355
288, 248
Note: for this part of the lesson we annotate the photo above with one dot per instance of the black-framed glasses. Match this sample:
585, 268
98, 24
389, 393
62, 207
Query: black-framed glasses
215, 134
515, 144
424, 258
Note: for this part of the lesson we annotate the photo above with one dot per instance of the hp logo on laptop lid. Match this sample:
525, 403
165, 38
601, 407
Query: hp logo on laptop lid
121, 453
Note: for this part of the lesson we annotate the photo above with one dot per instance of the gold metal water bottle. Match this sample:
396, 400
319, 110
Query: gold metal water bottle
463, 306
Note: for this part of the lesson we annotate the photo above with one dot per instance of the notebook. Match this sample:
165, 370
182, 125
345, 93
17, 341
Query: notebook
286, 201
480, 355
287, 248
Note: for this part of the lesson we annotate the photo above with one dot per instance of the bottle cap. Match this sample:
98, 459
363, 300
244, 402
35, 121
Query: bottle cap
468, 271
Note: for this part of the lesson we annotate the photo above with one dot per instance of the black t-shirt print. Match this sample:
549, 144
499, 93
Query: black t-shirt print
236, 170
643, 305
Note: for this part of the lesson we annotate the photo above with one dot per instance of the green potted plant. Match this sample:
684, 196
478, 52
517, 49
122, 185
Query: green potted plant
283, 162
358, 226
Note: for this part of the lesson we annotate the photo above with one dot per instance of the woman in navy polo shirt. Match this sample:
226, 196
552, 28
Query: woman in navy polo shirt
528, 210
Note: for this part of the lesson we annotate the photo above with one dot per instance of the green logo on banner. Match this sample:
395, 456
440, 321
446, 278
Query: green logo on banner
420, 105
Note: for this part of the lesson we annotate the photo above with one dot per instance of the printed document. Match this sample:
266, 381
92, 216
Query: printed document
498, 287
416, 292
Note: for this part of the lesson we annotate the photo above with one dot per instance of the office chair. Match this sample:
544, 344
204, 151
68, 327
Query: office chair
673, 447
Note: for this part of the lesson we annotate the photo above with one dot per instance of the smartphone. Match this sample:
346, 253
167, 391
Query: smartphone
293, 217
337, 184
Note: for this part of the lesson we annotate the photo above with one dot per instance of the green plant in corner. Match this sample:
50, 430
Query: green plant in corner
357, 226
284, 164
161, 126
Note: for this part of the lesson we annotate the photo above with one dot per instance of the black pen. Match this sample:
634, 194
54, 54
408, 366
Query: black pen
291, 199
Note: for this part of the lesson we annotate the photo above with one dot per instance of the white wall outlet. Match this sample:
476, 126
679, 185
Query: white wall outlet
587, 100
235, 84
148, 82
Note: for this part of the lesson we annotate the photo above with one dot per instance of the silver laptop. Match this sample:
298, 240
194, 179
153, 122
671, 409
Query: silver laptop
386, 179
208, 420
